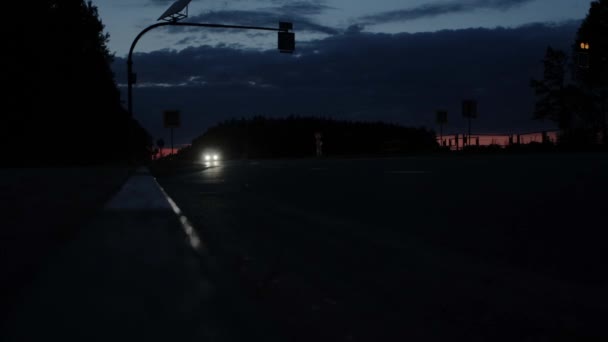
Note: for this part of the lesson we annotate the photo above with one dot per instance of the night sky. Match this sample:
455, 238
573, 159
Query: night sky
389, 60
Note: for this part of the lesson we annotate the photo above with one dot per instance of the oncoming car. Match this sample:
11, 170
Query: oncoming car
211, 158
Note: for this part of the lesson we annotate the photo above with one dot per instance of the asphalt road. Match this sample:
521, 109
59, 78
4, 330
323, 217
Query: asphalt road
41, 209
488, 248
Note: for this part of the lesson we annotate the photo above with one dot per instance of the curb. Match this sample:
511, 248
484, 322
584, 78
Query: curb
142, 192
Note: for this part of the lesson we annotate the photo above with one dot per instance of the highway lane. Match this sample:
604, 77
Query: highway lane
496, 248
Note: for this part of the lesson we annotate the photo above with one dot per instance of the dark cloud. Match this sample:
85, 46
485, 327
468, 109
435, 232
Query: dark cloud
399, 78
188, 40
436, 9
303, 8
268, 18
297, 12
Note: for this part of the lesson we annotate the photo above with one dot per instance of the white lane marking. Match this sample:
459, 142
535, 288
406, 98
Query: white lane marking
193, 238
403, 172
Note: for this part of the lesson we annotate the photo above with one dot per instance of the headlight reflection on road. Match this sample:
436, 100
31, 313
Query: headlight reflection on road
212, 163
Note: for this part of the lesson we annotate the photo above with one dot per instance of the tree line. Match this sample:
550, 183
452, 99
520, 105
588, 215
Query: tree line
294, 136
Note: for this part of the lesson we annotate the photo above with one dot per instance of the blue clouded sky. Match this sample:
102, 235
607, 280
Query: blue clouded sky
125, 18
396, 61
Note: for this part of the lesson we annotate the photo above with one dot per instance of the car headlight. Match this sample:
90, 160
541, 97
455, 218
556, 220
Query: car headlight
207, 157
216, 157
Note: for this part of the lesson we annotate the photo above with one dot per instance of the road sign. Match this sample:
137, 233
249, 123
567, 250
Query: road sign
171, 118
469, 109
442, 117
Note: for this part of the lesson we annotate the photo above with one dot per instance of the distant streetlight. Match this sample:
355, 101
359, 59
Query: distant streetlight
584, 46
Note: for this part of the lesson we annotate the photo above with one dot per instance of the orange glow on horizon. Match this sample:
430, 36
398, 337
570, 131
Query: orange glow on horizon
497, 139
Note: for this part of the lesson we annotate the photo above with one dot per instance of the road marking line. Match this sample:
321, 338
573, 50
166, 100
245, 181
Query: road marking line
193, 238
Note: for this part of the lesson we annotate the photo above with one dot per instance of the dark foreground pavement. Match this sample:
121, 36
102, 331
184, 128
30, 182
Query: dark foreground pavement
421, 249
41, 209
132, 272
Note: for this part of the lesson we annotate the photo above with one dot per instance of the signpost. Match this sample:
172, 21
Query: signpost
469, 111
171, 119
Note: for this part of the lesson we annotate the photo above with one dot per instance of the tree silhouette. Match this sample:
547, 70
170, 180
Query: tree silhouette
578, 103
551, 89
593, 80
63, 90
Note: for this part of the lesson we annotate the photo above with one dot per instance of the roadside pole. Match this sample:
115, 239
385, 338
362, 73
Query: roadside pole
171, 119
469, 111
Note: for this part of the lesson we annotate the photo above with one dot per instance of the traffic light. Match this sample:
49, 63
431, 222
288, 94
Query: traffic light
287, 40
